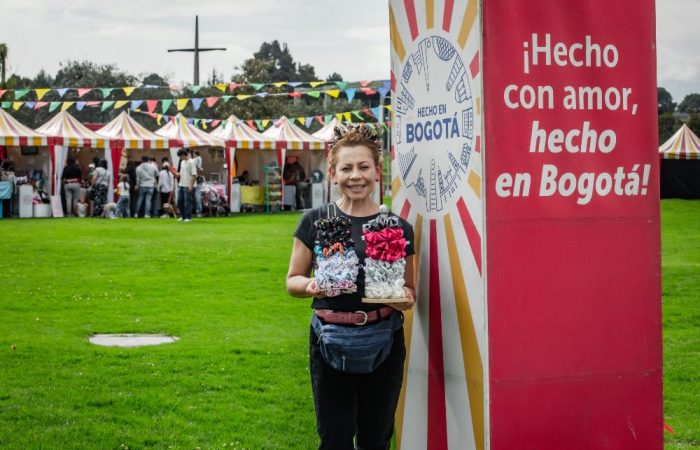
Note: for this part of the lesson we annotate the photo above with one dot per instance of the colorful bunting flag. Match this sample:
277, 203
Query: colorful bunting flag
308, 121
257, 86
314, 94
2, 92
279, 84
62, 92
93, 103
327, 118
347, 117
53, 106
364, 83
221, 87
216, 122
341, 84
358, 115
79, 106
251, 124
5, 105
151, 105
83, 91
105, 92
196, 103
300, 120
181, 103
39, 105
232, 86
259, 125
226, 98
313, 84
105, 105
242, 97
120, 103
39, 93
195, 89
19, 93
295, 94
350, 93
135, 104
320, 120
295, 83
333, 92
265, 122
66, 105
165, 105
211, 101
17, 105
29, 105
128, 90
377, 112
262, 94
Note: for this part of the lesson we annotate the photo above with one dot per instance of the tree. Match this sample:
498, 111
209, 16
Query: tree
154, 80
283, 67
335, 76
667, 126
3, 62
690, 104
89, 74
694, 123
665, 101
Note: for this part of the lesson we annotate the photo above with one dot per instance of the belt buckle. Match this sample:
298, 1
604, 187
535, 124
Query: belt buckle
365, 321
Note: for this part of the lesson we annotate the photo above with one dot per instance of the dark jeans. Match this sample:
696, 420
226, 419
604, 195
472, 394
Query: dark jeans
184, 202
361, 405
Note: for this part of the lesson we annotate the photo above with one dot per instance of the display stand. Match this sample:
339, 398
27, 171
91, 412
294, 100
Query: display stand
273, 188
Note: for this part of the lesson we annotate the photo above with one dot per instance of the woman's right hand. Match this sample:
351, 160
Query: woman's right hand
313, 290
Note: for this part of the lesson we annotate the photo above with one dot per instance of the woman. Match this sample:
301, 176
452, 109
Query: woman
352, 410
100, 186
71, 185
166, 183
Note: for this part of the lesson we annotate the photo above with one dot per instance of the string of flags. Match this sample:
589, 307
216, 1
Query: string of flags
348, 88
163, 105
360, 115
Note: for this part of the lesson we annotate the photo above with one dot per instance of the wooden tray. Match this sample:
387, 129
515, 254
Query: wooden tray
385, 300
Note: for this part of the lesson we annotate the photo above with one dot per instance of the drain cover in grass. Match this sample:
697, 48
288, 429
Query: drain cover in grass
131, 340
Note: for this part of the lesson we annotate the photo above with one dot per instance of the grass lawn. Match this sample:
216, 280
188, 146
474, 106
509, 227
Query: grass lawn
680, 237
239, 375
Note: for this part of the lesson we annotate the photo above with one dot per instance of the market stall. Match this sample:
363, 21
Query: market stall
216, 155
306, 150
253, 153
70, 138
24, 161
680, 165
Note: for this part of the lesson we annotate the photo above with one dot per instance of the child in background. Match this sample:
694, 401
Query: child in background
124, 203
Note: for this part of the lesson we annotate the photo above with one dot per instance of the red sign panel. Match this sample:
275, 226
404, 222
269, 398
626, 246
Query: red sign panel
572, 225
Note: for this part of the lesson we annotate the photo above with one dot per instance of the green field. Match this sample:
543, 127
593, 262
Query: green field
238, 378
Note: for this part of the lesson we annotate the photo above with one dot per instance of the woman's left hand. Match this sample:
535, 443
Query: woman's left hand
403, 306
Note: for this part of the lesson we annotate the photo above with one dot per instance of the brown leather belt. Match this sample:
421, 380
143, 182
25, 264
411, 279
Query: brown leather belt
354, 318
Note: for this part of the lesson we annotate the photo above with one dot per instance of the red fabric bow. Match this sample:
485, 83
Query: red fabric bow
385, 245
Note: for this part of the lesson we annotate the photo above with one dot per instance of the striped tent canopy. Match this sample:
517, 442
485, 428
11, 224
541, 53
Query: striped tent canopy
239, 135
130, 134
12, 132
293, 137
65, 129
188, 135
683, 145
326, 133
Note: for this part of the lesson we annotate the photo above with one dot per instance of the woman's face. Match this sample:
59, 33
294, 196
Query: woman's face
354, 172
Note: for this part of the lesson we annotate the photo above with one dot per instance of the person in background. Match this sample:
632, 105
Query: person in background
294, 175
90, 190
146, 176
166, 183
188, 179
155, 197
197, 160
244, 178
100, 185
123, 204
71, 177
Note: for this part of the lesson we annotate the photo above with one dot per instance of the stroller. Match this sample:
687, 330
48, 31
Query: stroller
215, 200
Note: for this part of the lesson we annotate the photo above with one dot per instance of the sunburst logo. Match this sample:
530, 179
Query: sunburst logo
437, 186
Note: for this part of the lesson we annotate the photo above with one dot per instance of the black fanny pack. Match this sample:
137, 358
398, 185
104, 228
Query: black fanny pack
356, 349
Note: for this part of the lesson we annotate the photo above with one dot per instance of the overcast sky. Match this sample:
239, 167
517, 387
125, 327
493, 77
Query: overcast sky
349, 37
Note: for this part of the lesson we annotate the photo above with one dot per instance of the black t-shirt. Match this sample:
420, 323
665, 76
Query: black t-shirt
71, 172
306, 233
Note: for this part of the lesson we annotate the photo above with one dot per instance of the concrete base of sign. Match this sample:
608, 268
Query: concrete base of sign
131, 340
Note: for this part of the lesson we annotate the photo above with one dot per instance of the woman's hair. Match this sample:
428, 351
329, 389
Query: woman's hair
352, 136
124, 178
102, 163
70, 161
